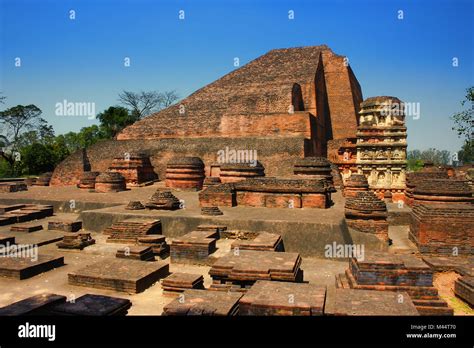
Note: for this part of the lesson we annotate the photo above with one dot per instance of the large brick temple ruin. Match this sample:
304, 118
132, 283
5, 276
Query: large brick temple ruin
276, 181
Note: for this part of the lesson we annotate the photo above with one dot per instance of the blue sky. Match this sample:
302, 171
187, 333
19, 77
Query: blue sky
82, 60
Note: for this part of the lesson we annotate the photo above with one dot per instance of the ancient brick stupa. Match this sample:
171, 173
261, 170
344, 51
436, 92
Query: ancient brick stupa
185, 173
109, 182
164, 200
431, 191
286, 104
355, 183
425, 174
442, 218
87, 180
136, 168
235, 172
381, 145
367, 213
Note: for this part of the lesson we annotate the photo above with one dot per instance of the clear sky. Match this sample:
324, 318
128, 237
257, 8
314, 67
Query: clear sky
82, 60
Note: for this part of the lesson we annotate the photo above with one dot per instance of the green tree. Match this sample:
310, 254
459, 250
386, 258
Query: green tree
38, 158
464, 120
13, 123
114, 119
466, 154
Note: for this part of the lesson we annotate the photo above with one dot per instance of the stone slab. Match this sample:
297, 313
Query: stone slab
130, 276
23, 268
203, 302
369, 302
283, 298
91, 305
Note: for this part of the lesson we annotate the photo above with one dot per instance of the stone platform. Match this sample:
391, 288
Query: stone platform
193, 247
264, 241
460, 264
369, 302
120, 275
397, 273
238, 271
283, 298
23, 268
52, 304
179, 282
306, 231
464, 288
203, 302
26, 228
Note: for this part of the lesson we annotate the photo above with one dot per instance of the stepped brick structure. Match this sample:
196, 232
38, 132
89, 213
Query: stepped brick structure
354, 184
109, 182
235, 172
87, 180
194, 247
10, 214
315, 168
367, 213
136, 252
136, 168
211, 211
286, 104
76, 241
443, 228
185, 173
128, 231
163, 200
399, 273
238, 271
433, 191
179, 282
270, 193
